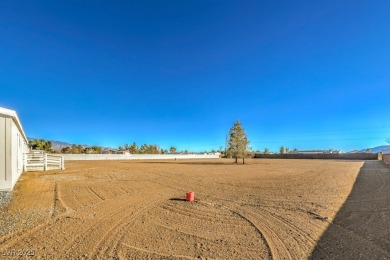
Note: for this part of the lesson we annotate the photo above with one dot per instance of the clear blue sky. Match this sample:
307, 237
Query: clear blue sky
303, 74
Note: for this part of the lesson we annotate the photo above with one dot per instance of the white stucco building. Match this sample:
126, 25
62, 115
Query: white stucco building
13, 144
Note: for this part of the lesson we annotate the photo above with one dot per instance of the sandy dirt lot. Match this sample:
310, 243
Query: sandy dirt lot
266, 209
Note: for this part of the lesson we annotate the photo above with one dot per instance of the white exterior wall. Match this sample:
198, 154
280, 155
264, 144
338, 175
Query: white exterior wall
78, 157
13, 143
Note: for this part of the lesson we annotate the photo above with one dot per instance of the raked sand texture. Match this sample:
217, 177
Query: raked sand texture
265, 209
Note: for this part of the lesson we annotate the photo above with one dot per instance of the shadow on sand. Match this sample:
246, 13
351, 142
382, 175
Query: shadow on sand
361, 229
177, 199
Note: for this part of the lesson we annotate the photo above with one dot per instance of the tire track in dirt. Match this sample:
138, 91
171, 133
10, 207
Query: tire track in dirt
261, 233
202, 237
191, 232
199, 214
10, 240
183, 232
96, 194
269, 221
287, 223
116, 233
95, 228
19, 237
277, 248
55, 202
271, 228
109, 252
155, 254
273, 252
59, 206
97, 225
176, 216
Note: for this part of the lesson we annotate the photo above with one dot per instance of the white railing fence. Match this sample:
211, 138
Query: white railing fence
41, 161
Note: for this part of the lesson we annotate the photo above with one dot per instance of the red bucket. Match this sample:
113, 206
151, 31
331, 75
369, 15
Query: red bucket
190, 196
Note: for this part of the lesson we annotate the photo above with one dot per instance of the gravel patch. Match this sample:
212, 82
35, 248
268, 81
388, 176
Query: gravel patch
5, 198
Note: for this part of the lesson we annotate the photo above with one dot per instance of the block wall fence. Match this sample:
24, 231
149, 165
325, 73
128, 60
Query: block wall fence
386, 158
341, 156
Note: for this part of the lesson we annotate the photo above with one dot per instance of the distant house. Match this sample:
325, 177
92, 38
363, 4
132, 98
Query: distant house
122, 152
114, 151
109, 151
310, 152
334, 151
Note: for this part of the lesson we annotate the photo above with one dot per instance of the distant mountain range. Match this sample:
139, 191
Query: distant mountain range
58, 145
378, 149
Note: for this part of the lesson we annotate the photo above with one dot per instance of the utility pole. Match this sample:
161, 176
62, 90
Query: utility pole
226, 141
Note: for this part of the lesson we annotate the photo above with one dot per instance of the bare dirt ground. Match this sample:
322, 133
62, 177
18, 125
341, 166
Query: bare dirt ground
266, 209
